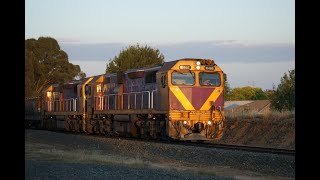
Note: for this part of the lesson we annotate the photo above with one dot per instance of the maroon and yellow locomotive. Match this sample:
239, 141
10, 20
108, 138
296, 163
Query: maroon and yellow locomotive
180, 99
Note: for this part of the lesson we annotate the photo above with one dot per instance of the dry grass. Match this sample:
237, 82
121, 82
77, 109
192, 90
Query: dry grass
271, 115
45, 152
276, 115
272, 129
54, 153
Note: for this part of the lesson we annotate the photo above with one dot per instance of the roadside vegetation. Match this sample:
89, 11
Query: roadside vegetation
274, 128
271, 115
282, 98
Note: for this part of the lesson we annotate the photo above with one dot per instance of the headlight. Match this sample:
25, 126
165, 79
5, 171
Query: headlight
197, 67
184, 122
209, 122
198, 63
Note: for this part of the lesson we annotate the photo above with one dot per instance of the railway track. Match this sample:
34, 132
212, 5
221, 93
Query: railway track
280, 151
248, 148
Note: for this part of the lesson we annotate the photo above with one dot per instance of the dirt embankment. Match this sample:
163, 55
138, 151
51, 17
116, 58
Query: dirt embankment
260, 132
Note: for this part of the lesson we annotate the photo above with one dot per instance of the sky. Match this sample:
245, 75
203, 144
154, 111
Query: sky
253, 41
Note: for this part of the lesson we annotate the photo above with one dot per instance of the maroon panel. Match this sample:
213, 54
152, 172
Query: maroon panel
197, 96
187, 91
219, 101
174, 103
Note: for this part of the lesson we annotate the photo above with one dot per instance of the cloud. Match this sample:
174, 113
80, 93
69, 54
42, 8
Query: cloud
228, 51
68, 40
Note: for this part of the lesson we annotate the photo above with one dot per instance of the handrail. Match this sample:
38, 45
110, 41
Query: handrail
123, 101
64, 105
106, 102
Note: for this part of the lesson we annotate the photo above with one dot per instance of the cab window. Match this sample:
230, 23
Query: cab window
209, 79
88, 90
99, 87
182, 78
150, 77
56, 95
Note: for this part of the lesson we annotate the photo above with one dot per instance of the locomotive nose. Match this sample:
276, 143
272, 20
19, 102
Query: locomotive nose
198, 127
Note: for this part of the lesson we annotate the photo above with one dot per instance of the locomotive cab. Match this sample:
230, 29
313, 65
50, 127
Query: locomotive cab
192, 92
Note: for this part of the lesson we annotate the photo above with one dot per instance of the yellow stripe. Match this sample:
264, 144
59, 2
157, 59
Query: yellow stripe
213, 97
181, 98
82, 88
84, 95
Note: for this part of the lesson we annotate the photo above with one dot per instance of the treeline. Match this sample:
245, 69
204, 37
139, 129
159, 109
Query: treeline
282, 97
245, 93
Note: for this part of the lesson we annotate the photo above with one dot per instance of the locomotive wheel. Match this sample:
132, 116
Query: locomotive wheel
108, 126
72, 122
50, 124
96, 126
89, 127
67, 125
77, 125
101, 127
45, 124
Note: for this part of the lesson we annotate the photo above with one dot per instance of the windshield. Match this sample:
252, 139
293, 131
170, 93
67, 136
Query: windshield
209, 79
182, 78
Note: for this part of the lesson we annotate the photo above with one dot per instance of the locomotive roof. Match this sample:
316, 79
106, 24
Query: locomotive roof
84, 80
168, 65
143, 69
73, 82
110, 74
95, 78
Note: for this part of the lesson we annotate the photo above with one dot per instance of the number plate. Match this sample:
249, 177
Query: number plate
210, 68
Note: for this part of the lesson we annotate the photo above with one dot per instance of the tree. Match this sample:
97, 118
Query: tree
247, 93
284, 96
29, 74
81, 75
135, 57
269, 93
45, 64
226, 91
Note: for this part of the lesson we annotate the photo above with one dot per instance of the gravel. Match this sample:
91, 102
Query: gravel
56, 170
52, 155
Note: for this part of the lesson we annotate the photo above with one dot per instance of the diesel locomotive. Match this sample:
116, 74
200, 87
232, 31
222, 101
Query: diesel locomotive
181, 100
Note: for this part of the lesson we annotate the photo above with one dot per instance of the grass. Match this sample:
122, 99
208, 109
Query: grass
271, 115
51, 153
44, 152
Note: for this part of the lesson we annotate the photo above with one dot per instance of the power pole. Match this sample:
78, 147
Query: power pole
253, 83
